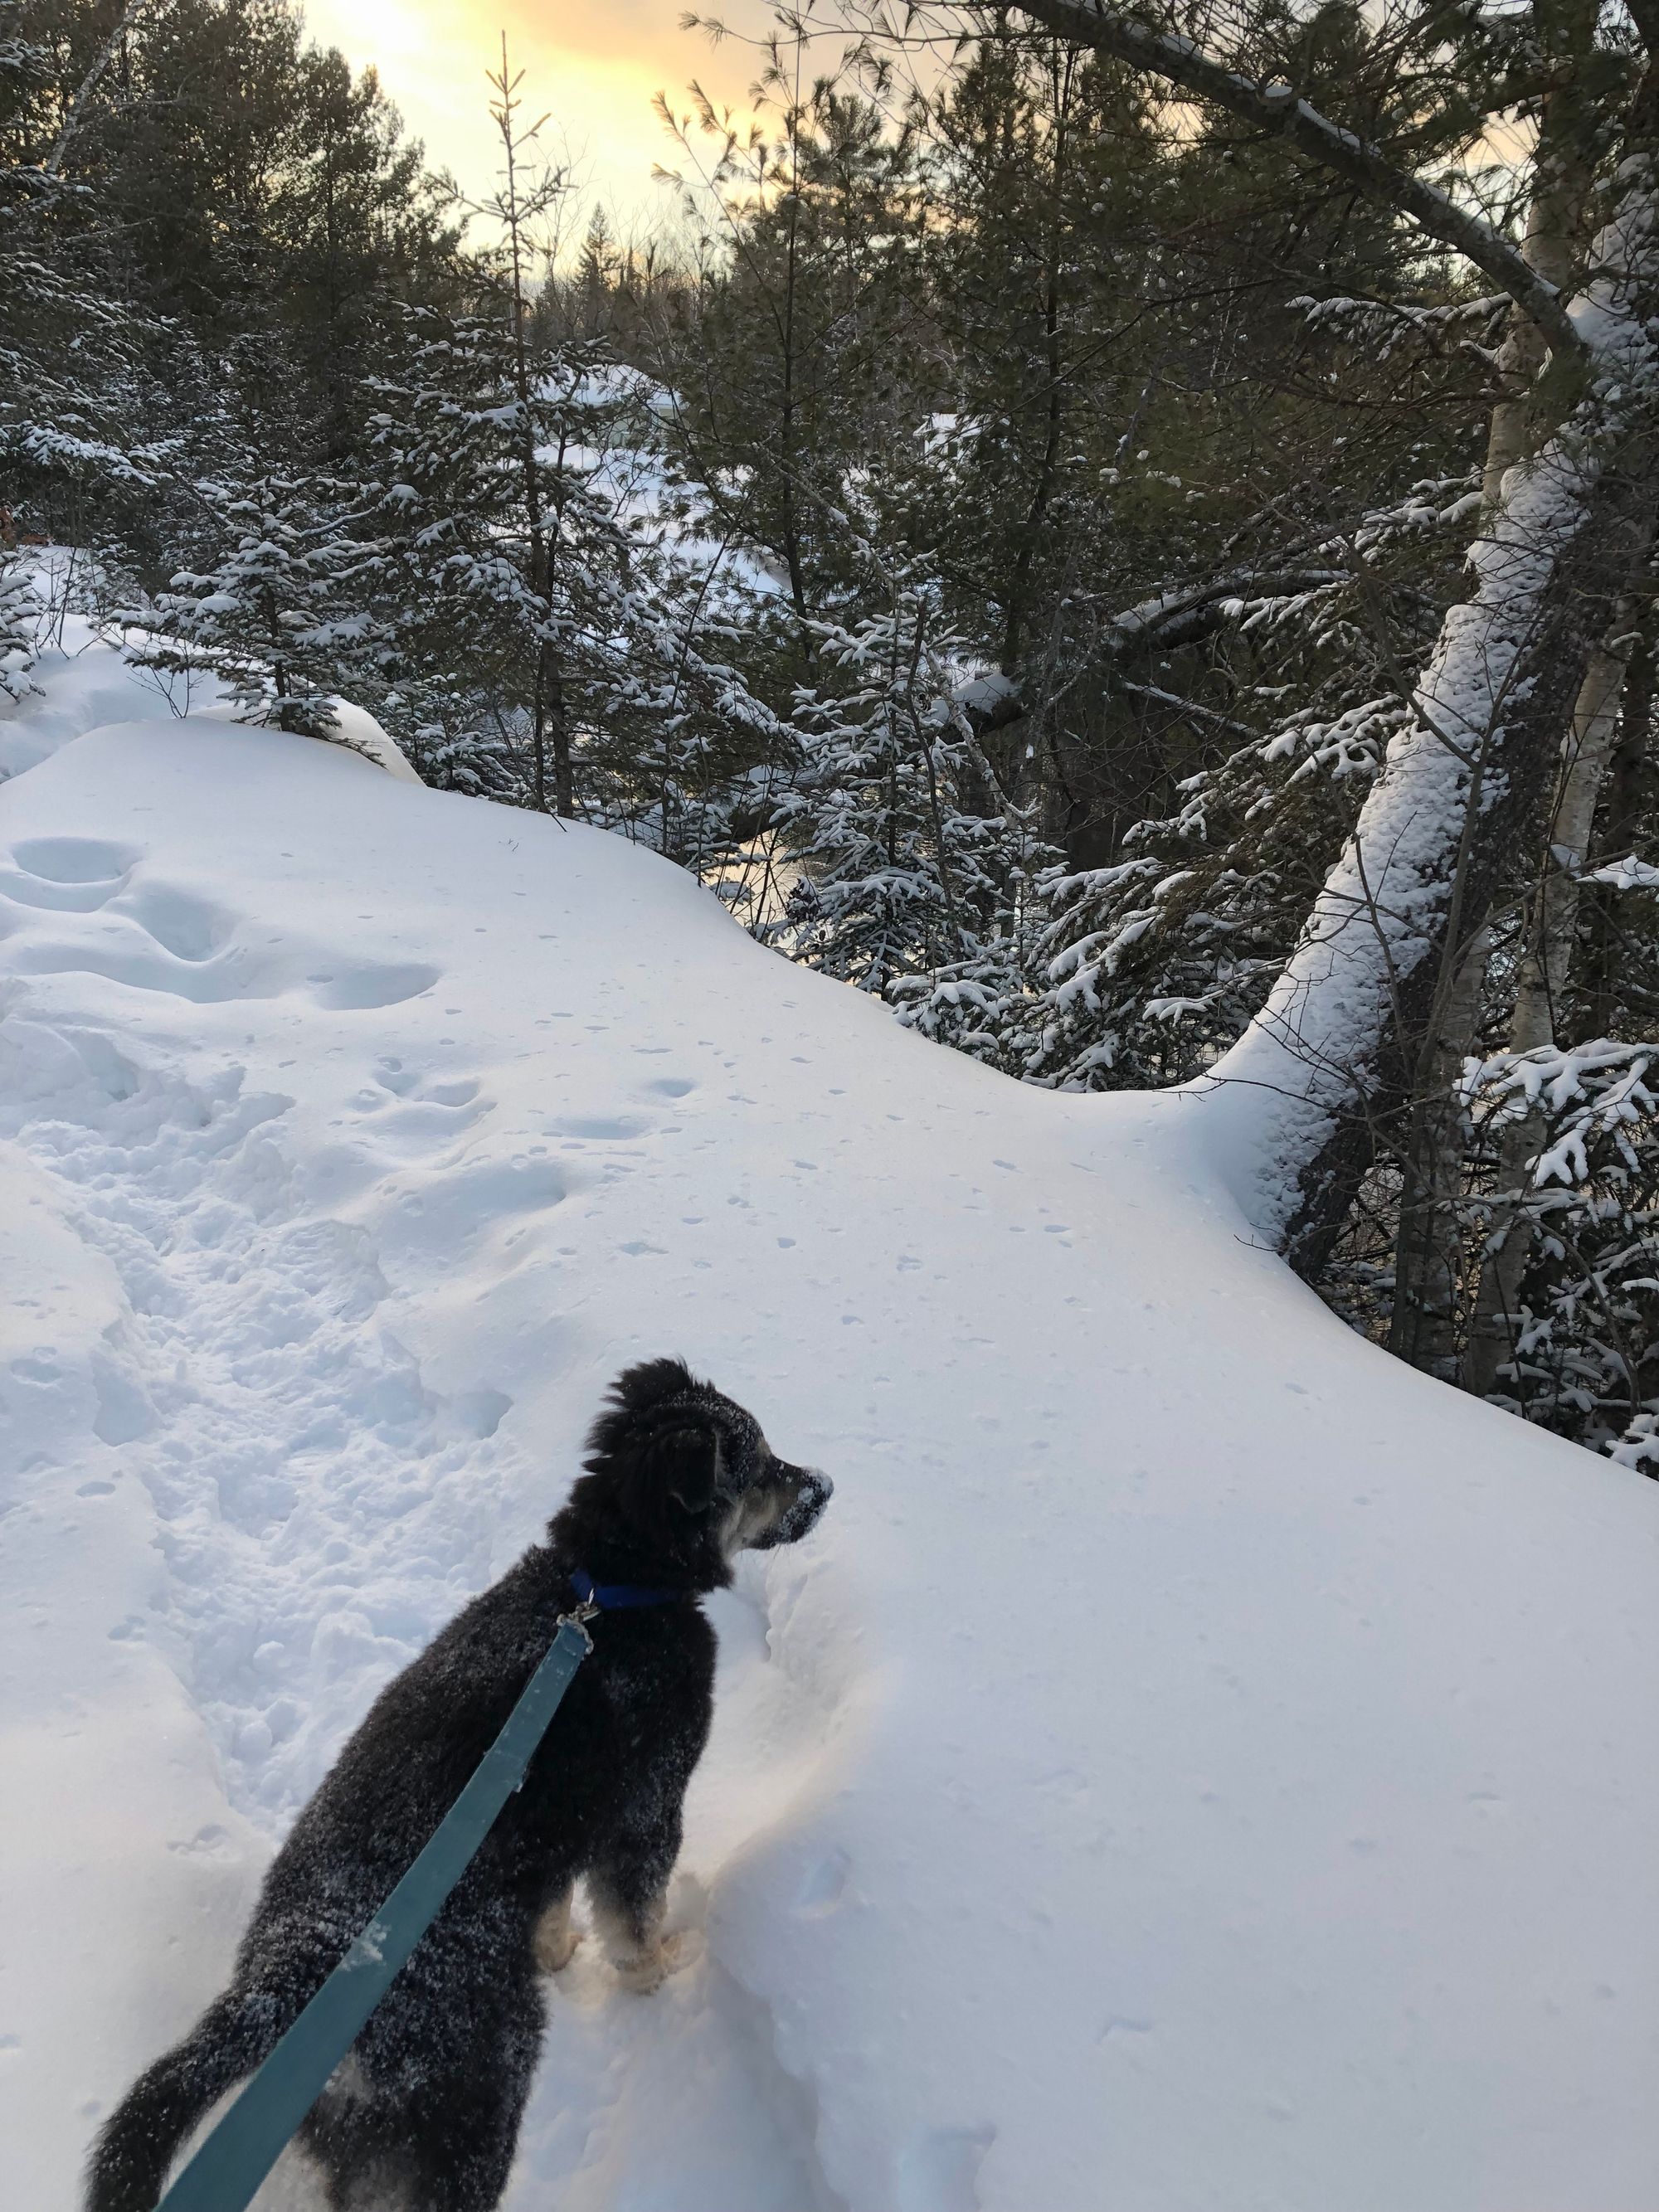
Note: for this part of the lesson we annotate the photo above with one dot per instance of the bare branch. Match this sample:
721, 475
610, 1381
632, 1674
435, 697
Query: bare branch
1181, 615
78, 106
1276, 109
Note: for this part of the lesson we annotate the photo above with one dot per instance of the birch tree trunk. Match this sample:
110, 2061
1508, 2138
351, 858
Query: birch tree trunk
80, 106
1539, 996
1429, 1291
1329, 1063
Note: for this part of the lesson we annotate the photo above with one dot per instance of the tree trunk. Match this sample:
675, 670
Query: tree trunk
558, 724
1427, 1280
791, 519
1539, 995
1048, 467
1330, 1061
81, 106
1622, 813
1428, 1249
547, 704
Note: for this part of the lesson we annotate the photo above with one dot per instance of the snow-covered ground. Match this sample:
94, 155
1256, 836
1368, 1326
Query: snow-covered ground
1197, 1762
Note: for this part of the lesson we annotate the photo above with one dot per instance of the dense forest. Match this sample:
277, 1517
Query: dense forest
993, 533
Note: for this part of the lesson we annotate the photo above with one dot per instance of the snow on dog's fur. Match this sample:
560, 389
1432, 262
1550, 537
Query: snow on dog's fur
424, 2113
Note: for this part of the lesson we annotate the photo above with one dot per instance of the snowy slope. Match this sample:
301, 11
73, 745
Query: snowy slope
1196, 1763
82, 679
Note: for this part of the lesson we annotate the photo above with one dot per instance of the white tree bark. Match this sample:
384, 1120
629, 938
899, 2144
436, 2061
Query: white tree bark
1538, 997
1429, 1292
1300, 1092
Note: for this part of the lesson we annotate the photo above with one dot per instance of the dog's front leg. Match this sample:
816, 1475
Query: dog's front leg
554, 1941
629, 1893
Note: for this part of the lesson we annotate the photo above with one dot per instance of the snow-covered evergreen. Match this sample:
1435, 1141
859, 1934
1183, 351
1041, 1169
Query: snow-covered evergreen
910, 863
535, 543
19, 616
280, 618
1584, 1335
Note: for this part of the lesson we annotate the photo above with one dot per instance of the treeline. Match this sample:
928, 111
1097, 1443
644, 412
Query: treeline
994, 539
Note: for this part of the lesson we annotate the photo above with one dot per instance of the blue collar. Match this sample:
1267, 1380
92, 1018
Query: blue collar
611, 1597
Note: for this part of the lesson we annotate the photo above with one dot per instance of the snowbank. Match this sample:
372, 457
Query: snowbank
81, 679
1197, 1762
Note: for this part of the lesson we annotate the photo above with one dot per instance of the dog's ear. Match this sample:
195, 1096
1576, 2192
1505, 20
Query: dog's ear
667, 1476
657, 1444
633, 1395
684, 1463
636, 1390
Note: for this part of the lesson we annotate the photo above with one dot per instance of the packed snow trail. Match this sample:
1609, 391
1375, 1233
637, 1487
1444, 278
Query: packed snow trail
1196, 1763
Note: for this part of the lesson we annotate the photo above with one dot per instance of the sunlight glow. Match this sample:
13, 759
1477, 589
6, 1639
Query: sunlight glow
591, 68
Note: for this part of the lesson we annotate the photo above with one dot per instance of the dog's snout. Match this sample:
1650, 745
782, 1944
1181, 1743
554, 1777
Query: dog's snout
804, 1493
816, 1491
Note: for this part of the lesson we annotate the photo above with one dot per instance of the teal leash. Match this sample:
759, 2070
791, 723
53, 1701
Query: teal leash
227, 2169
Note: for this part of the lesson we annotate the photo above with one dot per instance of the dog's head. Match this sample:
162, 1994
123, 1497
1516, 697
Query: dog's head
691, 1472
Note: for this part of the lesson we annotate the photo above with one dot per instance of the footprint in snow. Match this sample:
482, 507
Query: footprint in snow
413, 1110
600, 1128
190, 929
451, 1210
158, 937
65, 875
939, 2169
822, 1887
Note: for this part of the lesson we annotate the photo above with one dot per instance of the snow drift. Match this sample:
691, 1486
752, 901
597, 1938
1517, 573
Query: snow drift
1197, 1762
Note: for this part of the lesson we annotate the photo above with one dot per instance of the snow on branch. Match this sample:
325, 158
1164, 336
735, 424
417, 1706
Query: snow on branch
1585, 1092
1375, 318
1187, 611
1628, 874
1276, 108
1582, 1305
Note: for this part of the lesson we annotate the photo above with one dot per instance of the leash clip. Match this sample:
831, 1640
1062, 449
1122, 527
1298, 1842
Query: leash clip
578, 1619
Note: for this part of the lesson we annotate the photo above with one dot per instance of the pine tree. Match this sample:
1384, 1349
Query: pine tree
19, 616
72, 392
498, 552
595, 271
1582, 1340
910, 867
280, 617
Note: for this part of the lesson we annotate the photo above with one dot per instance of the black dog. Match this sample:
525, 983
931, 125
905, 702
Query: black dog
424, 2112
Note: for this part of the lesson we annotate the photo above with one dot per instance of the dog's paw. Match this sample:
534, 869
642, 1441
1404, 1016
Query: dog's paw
648, 1970
645, 1972
554, 1953
555, 1944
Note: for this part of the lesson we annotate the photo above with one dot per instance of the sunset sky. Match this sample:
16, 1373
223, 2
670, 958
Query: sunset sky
593, 64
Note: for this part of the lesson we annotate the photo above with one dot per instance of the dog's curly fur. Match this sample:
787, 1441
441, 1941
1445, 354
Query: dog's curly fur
424, 2113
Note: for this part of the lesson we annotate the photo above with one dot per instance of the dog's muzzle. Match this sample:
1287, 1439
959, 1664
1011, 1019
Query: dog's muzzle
811, 1493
